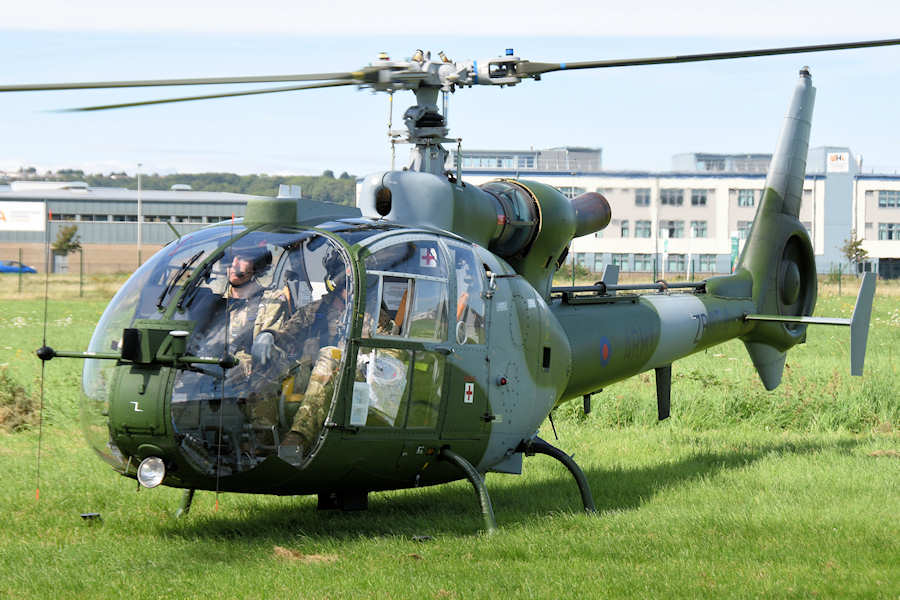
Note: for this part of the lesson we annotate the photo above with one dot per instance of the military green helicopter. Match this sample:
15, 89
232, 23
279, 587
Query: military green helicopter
416, 339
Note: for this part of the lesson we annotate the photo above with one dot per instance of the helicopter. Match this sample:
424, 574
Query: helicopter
417, 338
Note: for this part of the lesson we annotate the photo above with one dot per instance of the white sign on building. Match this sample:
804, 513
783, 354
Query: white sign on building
22, 216
838, 162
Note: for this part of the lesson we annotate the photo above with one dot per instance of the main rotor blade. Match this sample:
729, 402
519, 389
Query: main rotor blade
85, 85
526, 68
210, 96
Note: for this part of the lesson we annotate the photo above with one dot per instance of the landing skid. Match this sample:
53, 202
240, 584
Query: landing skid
477, 481
539, 446
185, 507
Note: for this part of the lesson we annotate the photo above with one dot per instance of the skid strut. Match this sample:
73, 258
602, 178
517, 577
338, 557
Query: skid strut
539, 446
477, 481
186, 500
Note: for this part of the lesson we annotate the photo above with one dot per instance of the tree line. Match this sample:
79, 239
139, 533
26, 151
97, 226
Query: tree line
325, 187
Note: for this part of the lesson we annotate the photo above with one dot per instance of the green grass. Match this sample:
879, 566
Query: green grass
743, 493
733, 512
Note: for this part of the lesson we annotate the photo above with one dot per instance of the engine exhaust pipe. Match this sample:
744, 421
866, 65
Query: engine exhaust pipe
592, 213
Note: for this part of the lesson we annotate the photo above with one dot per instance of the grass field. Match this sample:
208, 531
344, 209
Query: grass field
742, 493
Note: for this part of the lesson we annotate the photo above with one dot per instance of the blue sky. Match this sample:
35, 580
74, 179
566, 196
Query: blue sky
639, 116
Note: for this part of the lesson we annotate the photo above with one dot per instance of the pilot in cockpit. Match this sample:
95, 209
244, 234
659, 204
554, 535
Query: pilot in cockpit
250, 308
311, 341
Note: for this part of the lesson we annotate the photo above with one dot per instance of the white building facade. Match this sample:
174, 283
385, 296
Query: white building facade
693, 222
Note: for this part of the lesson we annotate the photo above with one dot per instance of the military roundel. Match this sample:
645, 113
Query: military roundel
605, 350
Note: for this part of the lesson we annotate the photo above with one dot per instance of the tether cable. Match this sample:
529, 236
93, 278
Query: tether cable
37, 484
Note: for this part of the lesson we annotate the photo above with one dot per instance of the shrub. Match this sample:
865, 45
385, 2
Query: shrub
18, 407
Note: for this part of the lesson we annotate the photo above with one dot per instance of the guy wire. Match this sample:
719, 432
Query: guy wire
37, 485
225, 357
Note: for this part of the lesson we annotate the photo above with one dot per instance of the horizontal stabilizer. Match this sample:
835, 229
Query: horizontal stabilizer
806, 320
858, 323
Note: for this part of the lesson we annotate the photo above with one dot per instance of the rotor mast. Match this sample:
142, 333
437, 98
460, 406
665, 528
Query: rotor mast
426, 129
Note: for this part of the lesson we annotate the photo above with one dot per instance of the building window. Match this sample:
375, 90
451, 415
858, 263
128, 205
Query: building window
642, 197
623, 228
675, 228
598, 262
63, 217
698, 229
621, 261
889, 231
642, 229
698, 197
889, 199
525, 162
125, 218
581, 259
671, 196
675, 263
746, 197
743, 228
598, 234
570, 191
643, 262
707, 263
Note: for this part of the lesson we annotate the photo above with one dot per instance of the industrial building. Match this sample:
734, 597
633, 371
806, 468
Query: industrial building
107, 221
689, 220
693, 219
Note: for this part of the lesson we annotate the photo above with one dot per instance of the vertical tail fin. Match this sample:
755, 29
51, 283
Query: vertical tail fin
778, 254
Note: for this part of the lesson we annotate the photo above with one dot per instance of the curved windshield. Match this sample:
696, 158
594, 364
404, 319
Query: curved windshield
280, 304
139, 298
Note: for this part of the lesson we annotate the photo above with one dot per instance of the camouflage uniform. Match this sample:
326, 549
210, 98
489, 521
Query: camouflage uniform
310, 416
315, 337
247, 319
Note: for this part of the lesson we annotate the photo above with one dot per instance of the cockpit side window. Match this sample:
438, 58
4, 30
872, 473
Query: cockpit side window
469, 322
406, 300
406, 291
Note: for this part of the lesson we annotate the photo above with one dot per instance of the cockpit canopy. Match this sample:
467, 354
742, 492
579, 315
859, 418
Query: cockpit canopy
279, 304
277, 299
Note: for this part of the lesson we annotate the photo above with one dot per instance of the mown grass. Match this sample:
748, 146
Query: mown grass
743, 493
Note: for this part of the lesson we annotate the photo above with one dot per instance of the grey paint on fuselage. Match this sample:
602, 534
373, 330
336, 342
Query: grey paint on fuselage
521, 326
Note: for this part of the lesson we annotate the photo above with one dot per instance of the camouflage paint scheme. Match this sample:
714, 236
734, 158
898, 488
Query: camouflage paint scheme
541, 350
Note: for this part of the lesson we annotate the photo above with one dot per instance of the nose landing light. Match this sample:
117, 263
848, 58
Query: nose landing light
151, 472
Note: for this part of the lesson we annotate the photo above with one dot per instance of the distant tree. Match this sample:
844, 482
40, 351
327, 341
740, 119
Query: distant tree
346, 175
854, 251
66, 241
328, 173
